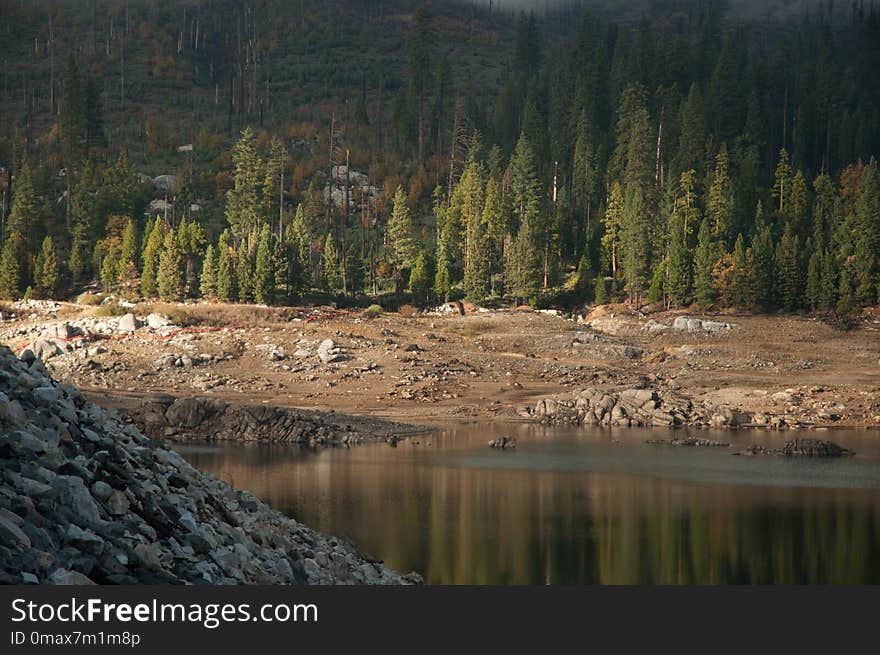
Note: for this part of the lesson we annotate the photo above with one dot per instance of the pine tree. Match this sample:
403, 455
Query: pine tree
400, 233
706, 255
265, 274
496, 225
719, 204
692, 132
782, 181
227, 282
600, 291
522, 276
763, 268
25, 213
46, 274
797, 208
636, 263
169, 278
814, 279
244, 270
110, 266
208, 278
153, 247
442, 283
301, 238
478, 264
788, 270
845, 294
243, 204
79, 262
741, 293
10, 267
127, 266
613, 222
828, 291
678, 268
332, 274
867, 237
420, 280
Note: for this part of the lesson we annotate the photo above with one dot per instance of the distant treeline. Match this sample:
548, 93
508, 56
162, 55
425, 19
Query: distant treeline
680, 159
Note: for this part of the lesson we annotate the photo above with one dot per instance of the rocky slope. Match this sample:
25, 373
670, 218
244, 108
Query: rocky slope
86, 498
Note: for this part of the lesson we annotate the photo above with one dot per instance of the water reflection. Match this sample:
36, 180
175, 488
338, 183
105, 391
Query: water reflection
576, 508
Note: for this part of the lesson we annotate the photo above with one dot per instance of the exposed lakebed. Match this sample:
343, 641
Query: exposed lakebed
583, 505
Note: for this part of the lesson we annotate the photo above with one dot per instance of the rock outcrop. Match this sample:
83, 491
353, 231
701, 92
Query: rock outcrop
503, 443
634, 408
801, 448
86, 498
211, 419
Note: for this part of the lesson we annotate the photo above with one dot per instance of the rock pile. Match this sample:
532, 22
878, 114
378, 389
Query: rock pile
329, 352
86, 498
54, 339
686, 324
634, 408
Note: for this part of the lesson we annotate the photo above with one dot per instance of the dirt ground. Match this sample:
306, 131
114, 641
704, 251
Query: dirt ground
436, 368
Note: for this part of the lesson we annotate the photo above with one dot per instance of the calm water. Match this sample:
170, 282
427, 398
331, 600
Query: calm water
585, 506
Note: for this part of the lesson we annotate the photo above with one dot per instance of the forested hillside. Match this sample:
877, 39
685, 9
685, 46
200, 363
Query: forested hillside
278, 152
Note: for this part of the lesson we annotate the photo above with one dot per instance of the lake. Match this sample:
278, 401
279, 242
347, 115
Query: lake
581, 506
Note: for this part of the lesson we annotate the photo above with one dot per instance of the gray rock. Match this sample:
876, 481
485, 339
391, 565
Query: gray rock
46, 395
157, 321
101, 490
73, 494
67, 577
117, 504
11, 535
127, 323
85, 540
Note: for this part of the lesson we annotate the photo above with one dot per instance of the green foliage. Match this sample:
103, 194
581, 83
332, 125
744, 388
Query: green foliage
706, 255
600, 291
400, 232
47, 273
420, 280
227, 282
332, 272
373, 311
265, 274
678, 267
169, 279
244, 201
788, 273
10, 267
150, 257
208, 277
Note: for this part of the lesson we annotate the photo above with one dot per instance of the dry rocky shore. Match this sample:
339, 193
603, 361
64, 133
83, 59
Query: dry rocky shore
87, 498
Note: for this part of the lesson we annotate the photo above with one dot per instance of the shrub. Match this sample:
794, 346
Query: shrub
90, 299
111, 309
373, 311
408, 311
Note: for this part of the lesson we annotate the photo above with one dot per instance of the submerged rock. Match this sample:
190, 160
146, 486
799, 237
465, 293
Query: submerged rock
503, 443
801, 448
690, 442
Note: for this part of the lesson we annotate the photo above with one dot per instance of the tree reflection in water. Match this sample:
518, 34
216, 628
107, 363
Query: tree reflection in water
460, 515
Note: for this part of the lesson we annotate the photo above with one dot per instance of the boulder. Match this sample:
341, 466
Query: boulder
67, 577
127, 324
157, 321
